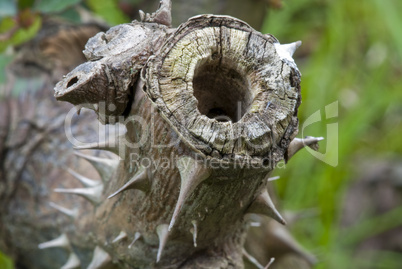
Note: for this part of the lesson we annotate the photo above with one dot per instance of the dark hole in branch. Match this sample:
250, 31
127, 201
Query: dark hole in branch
72, 82
222, 92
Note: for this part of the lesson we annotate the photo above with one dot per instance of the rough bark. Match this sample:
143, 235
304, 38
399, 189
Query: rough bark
210, 108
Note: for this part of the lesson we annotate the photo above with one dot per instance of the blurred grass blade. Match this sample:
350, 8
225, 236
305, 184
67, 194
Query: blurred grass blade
53, 6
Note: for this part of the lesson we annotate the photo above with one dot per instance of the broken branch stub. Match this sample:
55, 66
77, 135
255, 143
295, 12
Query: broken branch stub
224, 97
228, 89
105, 82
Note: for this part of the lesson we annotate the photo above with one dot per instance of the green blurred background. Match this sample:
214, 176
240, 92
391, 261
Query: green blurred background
351, 53
351, 61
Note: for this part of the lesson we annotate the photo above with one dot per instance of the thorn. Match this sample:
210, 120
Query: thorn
137, 235
164, 14
78, 108
142, 15
273, 178
72, 262
281, 236
163, 232
297, 144
286, 51
92, 194
264, 205
120, 237
271, 261
252, 259
100, 259
72, 213
291, 47
59, 242
87, 182
139, 181
194, 232
95, 107
112, 145
105, 167
192, 174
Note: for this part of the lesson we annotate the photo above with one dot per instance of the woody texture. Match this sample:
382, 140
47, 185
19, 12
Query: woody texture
208, 110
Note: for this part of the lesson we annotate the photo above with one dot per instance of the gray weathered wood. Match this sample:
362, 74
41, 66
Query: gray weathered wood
210, 108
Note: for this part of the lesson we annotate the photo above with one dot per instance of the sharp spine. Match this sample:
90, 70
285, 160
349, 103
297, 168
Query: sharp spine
140, 181
255, 224
291, 47
72, 213
78, 108
100, 259
163, 233
87, 182
264, 205
282, 236
137, 235
92, 194
105, 167
194, 231
163, 14
142, 15
273, 178
252, 259
297, 144
271, 261
95, 107
120, 237
111, 146
192, 174
72, 262
59, 242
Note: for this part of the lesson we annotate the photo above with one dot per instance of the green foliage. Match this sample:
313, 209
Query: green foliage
354, 57
5, 262
24, 4
52, 6
21, 20
18, 35
108, 10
